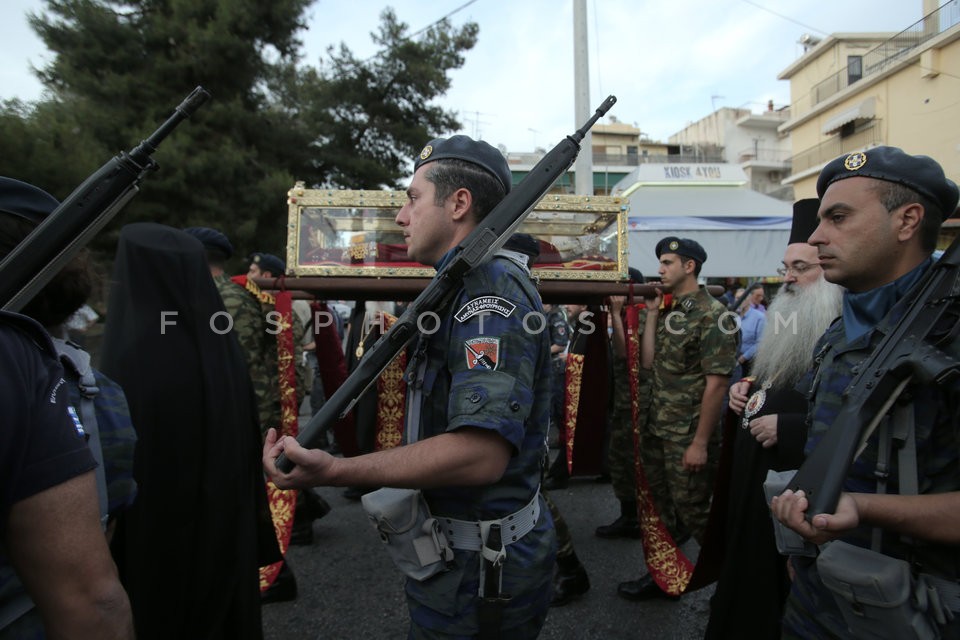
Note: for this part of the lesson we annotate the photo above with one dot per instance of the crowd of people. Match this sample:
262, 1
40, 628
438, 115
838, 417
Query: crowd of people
143, 497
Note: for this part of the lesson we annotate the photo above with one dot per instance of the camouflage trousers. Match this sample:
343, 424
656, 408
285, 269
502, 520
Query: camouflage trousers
682, 497
622, 456
564, 540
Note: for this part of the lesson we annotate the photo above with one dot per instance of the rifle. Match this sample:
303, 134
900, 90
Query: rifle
43, 253
487, 238
909, 352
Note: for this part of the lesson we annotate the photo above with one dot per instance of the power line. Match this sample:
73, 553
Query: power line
787, 18
439, 20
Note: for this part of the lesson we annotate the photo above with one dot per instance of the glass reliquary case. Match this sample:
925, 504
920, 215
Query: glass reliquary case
353, 233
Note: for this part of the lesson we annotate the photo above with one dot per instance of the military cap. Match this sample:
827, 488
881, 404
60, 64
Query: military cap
682, 247
269, 262
805, 220
523, 243
921, 173
25, 200
635, 275
211, 239
461, 147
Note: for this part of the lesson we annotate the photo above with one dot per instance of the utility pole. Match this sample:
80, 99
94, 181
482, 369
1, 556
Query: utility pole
581, 102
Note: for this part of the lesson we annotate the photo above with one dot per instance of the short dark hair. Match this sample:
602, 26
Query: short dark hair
448, 175
893, 195
66, 292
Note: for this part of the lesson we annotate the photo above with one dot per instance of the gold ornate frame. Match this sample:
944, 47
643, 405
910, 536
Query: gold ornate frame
589, 231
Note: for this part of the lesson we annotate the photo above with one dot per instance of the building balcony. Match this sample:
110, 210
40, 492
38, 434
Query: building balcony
900, 47
836, 146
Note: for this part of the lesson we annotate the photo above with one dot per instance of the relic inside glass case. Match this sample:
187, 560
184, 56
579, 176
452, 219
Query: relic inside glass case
354, 233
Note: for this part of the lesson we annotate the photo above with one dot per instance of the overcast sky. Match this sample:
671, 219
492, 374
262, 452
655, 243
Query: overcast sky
669, 62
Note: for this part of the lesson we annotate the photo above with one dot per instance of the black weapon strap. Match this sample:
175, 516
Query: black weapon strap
897, 430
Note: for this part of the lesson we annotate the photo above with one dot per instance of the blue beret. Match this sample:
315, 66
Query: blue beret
269, 262
921, 173
25, 200
211, 239
682, 247
467, 149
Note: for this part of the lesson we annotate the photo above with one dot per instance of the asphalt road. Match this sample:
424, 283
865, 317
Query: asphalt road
348, 587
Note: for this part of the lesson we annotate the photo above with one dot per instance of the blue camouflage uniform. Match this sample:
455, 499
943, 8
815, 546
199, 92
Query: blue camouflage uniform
811, 611
507, 391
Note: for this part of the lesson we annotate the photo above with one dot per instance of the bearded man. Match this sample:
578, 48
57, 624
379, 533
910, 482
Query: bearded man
771, 434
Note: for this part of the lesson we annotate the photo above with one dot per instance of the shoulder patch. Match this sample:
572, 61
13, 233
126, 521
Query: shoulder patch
482, 353
493, 304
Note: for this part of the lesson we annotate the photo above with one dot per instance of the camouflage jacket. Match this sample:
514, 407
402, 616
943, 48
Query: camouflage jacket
937, 430
484, 369
697, 337
250, 327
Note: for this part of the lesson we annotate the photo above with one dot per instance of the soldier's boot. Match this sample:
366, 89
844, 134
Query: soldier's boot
570, 581
626, 526
557, 476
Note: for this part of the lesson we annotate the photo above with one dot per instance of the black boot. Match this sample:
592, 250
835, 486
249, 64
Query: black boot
557, 476
284, 588
626, 526
570, 581
643, 589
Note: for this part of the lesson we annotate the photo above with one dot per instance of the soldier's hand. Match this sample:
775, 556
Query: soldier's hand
764, 429
312, 465
616, 303
653, 302
695, 457
789, 508
738, 396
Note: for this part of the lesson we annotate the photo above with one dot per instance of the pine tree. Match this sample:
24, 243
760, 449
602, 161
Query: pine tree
120, 67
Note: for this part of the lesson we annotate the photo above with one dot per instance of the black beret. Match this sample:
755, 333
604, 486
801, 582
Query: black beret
635, 275
805, 220
921, 173
211, 239
25, 200
269, 262
682, 247
467, 149
523, 243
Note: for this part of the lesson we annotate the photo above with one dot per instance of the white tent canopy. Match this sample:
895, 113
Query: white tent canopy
743, 232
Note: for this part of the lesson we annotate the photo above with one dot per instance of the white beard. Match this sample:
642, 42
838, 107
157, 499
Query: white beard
796, 319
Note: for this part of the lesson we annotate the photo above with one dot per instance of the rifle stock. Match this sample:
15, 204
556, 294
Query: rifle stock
41, 255
477, 247
910, 351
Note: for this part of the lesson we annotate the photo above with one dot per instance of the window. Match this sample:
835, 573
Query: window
854, 69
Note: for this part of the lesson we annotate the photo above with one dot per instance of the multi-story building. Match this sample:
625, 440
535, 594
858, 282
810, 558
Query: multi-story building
850, 92
750, 140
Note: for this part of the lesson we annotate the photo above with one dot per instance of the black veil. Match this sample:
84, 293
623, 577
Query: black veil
190, 548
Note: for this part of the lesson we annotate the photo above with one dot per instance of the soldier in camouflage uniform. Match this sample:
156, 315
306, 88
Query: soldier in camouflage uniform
249, 325
691, 352
880, 215
479, 395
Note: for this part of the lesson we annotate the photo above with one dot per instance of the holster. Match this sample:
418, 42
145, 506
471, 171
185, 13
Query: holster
413, 538
878, 595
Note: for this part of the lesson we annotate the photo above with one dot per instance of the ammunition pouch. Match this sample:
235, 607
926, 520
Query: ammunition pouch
789, 542
413, 538
879, 597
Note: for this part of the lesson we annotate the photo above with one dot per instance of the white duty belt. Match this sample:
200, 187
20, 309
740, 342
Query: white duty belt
468, 535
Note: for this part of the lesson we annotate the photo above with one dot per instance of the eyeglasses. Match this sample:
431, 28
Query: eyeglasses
798, 269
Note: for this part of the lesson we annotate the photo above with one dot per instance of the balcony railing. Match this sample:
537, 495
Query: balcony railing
769, 155
836, 146
884, 55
